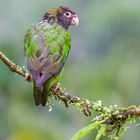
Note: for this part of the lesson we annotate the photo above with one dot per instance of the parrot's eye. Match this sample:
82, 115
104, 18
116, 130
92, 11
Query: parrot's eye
67, 14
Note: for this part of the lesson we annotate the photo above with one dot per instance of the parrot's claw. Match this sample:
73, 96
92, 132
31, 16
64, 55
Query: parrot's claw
27, 76
56, 87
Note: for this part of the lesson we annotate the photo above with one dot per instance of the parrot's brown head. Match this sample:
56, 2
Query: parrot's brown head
62, 15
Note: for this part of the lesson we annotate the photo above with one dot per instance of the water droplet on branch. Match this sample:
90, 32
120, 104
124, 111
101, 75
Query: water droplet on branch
50, 108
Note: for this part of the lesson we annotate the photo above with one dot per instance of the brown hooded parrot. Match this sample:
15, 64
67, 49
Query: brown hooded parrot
46, 46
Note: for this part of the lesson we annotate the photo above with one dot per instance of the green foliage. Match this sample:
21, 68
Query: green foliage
102, 131
110, 121
86, 130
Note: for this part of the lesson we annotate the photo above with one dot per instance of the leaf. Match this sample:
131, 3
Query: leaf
86, 130
101, 132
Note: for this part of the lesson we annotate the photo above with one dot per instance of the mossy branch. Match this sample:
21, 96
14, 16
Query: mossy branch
110, 118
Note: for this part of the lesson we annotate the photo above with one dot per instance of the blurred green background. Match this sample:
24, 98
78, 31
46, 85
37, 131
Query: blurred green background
104, 64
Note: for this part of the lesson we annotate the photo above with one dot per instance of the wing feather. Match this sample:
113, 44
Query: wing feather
46, 49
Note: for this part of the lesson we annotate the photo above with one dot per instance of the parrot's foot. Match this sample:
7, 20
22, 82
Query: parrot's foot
27, 76
56, 87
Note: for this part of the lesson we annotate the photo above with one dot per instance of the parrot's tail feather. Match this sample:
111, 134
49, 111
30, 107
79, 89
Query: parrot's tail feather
40, 96
37, 95
44, 97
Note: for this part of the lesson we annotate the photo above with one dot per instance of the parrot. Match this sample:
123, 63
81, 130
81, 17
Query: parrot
46, 47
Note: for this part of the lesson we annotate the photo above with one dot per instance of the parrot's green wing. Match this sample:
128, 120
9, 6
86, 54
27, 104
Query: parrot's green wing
46, 49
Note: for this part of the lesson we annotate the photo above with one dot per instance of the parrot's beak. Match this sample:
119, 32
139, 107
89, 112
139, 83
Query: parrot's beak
75, 20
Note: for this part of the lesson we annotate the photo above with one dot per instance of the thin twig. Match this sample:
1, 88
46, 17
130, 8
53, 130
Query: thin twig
14, 68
